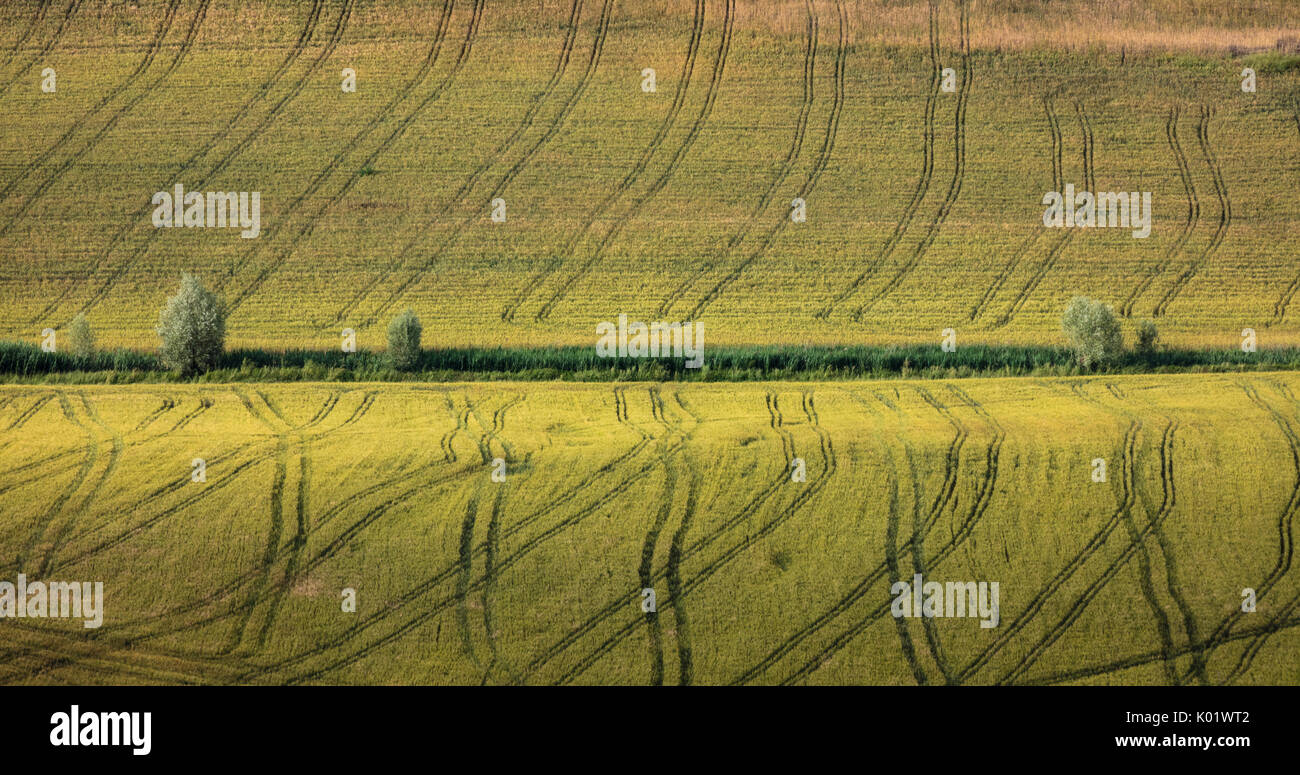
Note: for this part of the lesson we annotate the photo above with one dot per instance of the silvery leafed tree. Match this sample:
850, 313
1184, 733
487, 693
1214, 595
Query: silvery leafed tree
192, 328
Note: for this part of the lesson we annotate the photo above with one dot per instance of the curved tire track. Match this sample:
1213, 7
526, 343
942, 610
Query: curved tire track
715, 82
922, 184
1225, 217
133, 220
1193, 215
958, 176
819, 166
791, 156
420, 76
418, 272
679, 97
1054, 253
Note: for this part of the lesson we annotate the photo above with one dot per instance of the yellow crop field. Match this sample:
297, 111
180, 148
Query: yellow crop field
642, 533
509, 169
647, 342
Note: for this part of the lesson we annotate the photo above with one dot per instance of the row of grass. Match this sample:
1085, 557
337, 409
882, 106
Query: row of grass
21, 362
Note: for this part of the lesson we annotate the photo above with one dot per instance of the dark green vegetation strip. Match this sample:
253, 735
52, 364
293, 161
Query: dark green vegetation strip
26, 363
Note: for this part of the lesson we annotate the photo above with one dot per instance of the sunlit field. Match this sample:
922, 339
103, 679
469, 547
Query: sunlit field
770, 522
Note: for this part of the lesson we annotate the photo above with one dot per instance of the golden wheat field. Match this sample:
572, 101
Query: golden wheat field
922, 206
686, 490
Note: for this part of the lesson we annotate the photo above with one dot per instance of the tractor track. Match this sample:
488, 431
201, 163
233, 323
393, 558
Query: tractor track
1122, 513
73, 7
804, 496
492, 433
203, 406
1225, 217
302, 529
1253, 648
1054, 128
42, 465
673, 576
645, 573
670, 119
1168, 500
420, 76
44, 523
1286, 542
27, 413
167, 405
1167, 503
446, 442
67, 164
706, 110
1193, 215
491, 550
275, 502
921, 528
304, 38
38, 18
536, 103
209, 660
809, 184
954, 188
1008, 268
440, 605
437, 579
116, 445
301, 510
1154, 528
1146, 579
418, 273
905, 643
979, 506
1129, 452
675, 557
276, 110
1284, 301
791, 156
152, 51
1277, 624
238, 583
246, 608
227, 479
1054, 253
826, 617
922, 184
464, 574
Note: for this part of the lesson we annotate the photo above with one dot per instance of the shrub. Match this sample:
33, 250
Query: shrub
313, 371
1273, 62
404, 341
1147, 336
192, 328
1094, 332
81, 341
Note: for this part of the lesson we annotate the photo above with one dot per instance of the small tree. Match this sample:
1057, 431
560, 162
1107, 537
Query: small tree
192, 328
1094, 331
404, 340
81, 340
1147, 336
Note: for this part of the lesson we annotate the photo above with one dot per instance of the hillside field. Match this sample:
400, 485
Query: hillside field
687, 490
924, 207
830, 188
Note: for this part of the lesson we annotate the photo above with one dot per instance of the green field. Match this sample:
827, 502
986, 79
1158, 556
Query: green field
686, 490
769, 519
923, 207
